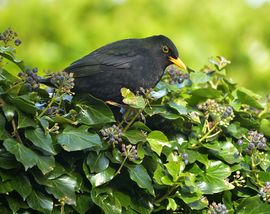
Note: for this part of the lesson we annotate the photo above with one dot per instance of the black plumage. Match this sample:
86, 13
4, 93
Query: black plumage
130, 63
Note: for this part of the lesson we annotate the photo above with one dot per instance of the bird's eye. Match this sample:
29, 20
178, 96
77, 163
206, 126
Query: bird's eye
165, 49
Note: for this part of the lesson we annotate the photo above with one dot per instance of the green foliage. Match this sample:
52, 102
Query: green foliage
193, 146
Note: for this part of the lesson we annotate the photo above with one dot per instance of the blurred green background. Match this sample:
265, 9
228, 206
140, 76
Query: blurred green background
57, 32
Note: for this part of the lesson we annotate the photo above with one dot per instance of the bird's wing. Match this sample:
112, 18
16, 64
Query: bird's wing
102, 60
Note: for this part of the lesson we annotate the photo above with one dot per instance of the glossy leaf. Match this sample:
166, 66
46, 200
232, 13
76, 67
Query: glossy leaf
157, 141
23, 154
139, 174
75, 139
93, 111
102, 177
40, 139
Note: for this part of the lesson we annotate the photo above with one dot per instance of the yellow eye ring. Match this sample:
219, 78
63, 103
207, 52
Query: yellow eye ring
165, 49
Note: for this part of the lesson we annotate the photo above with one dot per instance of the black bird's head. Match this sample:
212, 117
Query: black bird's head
165, 51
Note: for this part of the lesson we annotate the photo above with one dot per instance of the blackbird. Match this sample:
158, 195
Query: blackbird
129, 63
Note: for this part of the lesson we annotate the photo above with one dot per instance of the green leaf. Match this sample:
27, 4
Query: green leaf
135, 136
7, 160
9, 111
139, 174
22, 185
247, 97
175, 168
199, 77
23, 154
201, 94
63, 187
213, 180
265, 127
94, 111
225, 151
15, 204
102, 177
75, 139
97, 162
83, 203
162, 111
132, 100
40, 202
40, 139
253, 205
236, 130
3, 132
105, 199
157, 141
25, 121
24, 103
6, 187
172, 205
45, 163
179, 108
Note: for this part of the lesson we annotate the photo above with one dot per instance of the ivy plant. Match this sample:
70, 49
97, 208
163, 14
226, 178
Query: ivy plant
196, 143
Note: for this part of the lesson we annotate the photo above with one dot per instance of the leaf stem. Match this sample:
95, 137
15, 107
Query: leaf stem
209, 132
132, 120
121, 166
166, 194
15, 131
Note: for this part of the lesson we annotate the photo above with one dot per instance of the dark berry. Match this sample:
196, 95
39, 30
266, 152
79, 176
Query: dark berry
17, 42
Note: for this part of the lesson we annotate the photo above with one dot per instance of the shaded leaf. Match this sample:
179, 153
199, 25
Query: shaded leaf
23, 154
40, 139
40, 202
94, 111
139, 174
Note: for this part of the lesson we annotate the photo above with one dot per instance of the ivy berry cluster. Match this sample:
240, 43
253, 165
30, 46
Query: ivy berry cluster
218, 112
176, 76
8, 36
30, 79
254, 141
63, 81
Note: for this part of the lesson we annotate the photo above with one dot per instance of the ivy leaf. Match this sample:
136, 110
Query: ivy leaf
236, 130
83, 203
40, 202
253, 205
23, 154
3, 132
45, 163
213, 180
139, 174
25, 121
97, 162
15, 204
135, 136
225, 151
9, 111
132, 100
172, 205
93, 111
247, 97
40, 139
157, 141
102, 177
75, 139
22, 185
63, 187
199, 77
7, 160
105, 199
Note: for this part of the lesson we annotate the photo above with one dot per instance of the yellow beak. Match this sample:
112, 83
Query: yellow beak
178, 62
